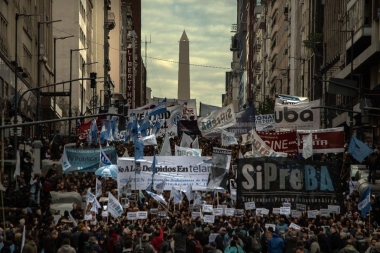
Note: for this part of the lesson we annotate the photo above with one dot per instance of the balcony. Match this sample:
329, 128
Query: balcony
273, 76
275, 30
274, 8
111, 20
274, 53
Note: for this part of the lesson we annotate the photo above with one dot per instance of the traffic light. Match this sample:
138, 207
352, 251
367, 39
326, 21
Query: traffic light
93, 80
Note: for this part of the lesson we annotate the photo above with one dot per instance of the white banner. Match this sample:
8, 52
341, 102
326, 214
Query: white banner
276, 210
137, 215
98, 188
334, 208
217, 120
149, 140
295, 226
189, 109
180, 151
264, 211
178, 171
249, 205
114, 207
312, 214
297, 116
229, 211
218, 211
209, 219
285, 210
296, 214
195, 215
264, 122
207, 208
324, 212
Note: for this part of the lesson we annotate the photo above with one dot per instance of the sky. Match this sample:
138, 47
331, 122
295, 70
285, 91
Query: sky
208, 27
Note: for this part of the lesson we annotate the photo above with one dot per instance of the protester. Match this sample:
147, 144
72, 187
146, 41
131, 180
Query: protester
66, 248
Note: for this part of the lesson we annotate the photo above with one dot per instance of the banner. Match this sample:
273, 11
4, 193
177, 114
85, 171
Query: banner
287, 99
180, 151
265, 122
85, 160
189, 127
206, 109
280, 141
329, 140
217, 120
297, 116
178, 171
259, 147
189, 109
228, 138
287, 180
220, 165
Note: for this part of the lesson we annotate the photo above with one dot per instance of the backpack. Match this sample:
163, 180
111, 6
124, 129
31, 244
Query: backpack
256, 244
198, 247
118, 245
361, 245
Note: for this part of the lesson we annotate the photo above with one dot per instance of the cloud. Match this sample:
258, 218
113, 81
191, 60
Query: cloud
207, 24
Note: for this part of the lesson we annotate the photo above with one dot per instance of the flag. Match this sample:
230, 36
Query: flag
153, 168
166, 149
65, 161
299, 156
92, 136
145, 125
176, 113
186, 141
98, 188
127, 188
240, 155
161, 186
307, 146
358, 149
157, 125
176, 195
206, 109
75, 224
189, 192
111, 127
364, 204
95, 206
23, 237
114, 207
150, 187
158, 198
195, 143
149, 140
104, 132
89, 196
139, 149
115, 127
104, 160
228, 138
18, 163
159, 109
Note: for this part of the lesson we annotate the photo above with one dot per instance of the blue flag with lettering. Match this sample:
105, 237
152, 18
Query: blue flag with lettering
364, 204
358, 149
159, 109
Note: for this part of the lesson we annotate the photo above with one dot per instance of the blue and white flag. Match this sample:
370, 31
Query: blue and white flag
364, 204
89, 196
195, 143
159, 109
186, 141
111, 127
157, 126
104, 160
206, 109
161, 186
92, 136
150, 187
144, 126
189, 192
307, 146
139, 149
149, 140
64, 160
115, 127
75, 224
176, 195
166, 149
114, 207
98, 187
158, 198
228, 138
104, 132
358, 149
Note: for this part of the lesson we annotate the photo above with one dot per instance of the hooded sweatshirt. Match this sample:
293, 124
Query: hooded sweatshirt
66, 249
30, 247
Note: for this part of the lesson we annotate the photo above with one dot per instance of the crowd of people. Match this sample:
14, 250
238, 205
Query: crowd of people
29, 216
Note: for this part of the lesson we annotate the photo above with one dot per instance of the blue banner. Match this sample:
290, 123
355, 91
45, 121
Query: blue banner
86, 160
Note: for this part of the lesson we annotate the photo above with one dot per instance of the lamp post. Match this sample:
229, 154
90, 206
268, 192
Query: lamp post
39, 72
71, 85
16, 75
82, 96
55, 71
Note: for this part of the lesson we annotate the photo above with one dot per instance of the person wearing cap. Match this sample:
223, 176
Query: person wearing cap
349, 248
145, 246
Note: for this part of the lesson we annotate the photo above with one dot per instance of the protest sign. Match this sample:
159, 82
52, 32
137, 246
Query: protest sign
131, 216
209, 219
324, 212
207, 208
264, 122
264, 211
239, 212
312, 214
195, 215
181, 151
294, 226
301, 207
162, 214
218, 211
276, 210
285, 210
329, 140
142, 215
229, 211
296, 214
334, 209
249, 205
154, 211
114, 207
217, 120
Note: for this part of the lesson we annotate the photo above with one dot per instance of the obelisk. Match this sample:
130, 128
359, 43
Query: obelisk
184, 68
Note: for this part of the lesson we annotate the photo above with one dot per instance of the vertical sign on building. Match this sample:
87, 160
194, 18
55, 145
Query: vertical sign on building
129, 88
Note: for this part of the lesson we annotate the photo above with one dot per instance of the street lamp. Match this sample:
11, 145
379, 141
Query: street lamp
16, 86
38, 72
82, 97
71, 85
55, 71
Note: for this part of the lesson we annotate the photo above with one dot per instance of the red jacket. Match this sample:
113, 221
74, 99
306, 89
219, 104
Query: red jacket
114, 238
158, 240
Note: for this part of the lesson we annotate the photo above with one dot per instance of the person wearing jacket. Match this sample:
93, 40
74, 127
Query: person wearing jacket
349, 248
66, 248
276, 244
50, 242
158, 239
335, 240
233, 248
30, 246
